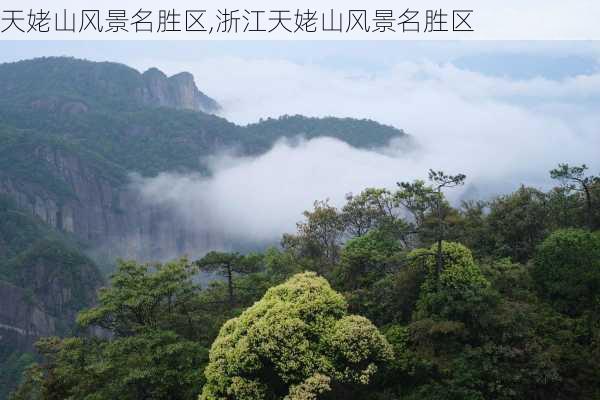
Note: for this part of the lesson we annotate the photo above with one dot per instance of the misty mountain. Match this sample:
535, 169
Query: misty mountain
71, 134
72, 131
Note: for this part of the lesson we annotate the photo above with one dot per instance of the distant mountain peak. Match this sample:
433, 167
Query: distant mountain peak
56, 83
178, 91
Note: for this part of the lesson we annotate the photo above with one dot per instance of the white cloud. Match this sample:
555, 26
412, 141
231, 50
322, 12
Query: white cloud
500, 132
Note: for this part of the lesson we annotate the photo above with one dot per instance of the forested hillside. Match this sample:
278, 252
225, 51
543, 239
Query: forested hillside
396, 295
45, 280
70, 136
71, 133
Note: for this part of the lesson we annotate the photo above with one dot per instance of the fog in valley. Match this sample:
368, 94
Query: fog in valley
499, 131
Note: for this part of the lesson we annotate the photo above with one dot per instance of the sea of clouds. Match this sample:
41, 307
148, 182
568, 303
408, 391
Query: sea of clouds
501, 132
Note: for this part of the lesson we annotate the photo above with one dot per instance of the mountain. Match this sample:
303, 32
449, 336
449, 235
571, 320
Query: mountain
45, 280
44, 276
72, 130
71, 134
69, 85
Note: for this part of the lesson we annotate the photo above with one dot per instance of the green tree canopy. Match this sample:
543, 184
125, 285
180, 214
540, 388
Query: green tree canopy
460, 293
297, 341
567, 270
229, 265
518, 222
573, 178
143, 296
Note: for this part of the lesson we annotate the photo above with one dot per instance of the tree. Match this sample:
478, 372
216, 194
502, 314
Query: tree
372, 208
573, 178
360, 214
460, 293
567, 270
518, 222
442, 181
297, 342
142, 296
422, 200
147, 340
228, 265
391, 299
364, 259
472, 229
150, 365
319, 236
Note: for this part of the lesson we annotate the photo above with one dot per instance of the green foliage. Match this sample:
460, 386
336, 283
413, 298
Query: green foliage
567, 271
460, 293
12, 368
29, 157
117, 131
297, 338
18, 230
361, 133
392, 299
574, 179
518, 223
149, 341
144, 296
467, 311
319, 237
74, 279
366, 258
62, 77
56, 277
492, 300
229, 265
152, 364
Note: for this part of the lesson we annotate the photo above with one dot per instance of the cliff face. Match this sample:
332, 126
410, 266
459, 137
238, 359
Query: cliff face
71, 131
21, 320
179, 91
43, 289
111, 218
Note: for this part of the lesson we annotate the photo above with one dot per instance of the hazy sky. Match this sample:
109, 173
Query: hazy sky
516, 58
504, 113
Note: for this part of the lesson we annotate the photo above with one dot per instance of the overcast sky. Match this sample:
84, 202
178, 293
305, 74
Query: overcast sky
521, 58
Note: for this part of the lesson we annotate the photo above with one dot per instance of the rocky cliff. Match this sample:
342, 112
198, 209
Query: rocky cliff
42, 286
73, 132
22, 321
109, 216
178, 91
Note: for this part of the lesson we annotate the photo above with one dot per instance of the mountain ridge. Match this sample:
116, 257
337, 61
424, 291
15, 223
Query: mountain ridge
71, 133
64, 84
66, 160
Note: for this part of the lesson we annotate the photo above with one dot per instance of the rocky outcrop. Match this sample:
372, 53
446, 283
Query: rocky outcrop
49, 284
111, 217
22, 321
178, 91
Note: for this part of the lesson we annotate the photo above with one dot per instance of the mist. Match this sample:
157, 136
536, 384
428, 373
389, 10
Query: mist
500, 132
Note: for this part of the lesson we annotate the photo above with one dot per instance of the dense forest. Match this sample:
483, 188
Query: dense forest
396, 295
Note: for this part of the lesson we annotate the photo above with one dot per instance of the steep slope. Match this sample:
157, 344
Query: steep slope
43, 274
44, 281
72, 130
71, 133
